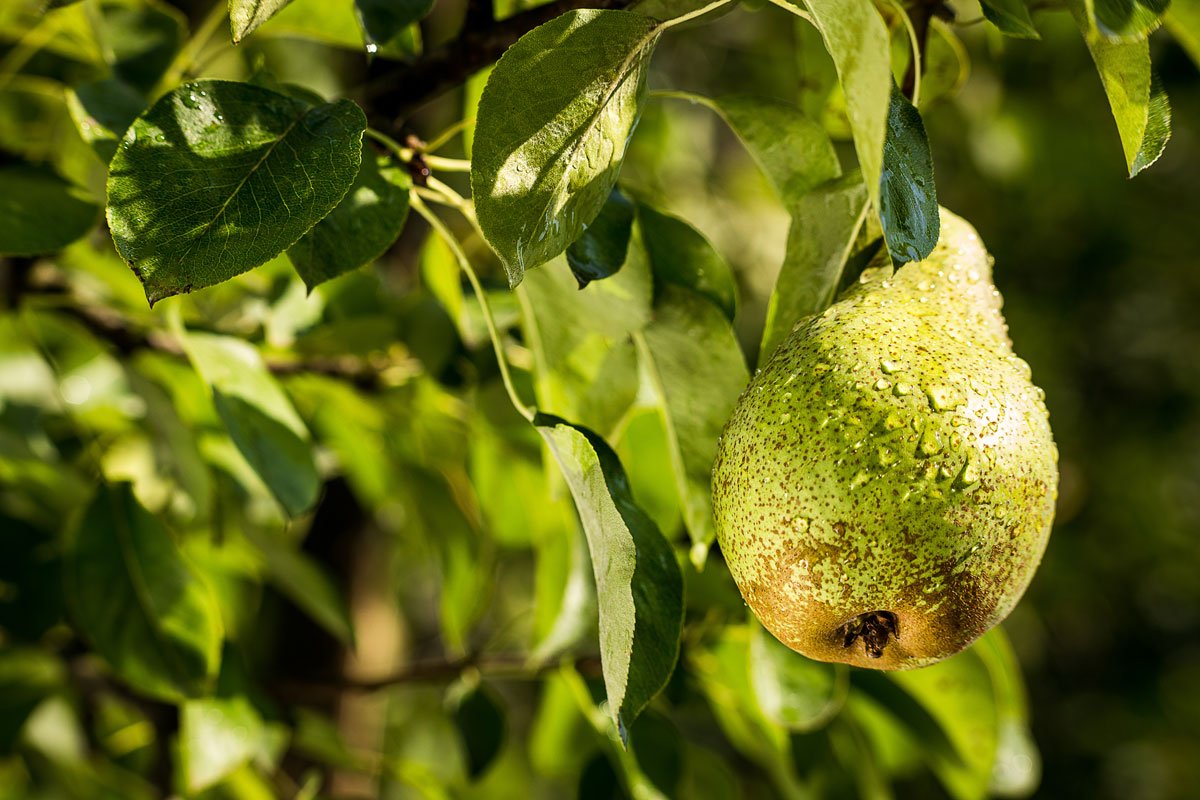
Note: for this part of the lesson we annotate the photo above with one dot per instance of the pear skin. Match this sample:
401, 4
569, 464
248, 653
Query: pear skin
885, 487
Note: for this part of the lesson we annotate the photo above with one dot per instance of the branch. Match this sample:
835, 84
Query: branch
128, 337
401, 90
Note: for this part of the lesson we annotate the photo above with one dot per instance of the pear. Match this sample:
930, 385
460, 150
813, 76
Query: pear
884, 489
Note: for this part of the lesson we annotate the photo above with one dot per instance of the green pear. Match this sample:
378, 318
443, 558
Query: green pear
885, 487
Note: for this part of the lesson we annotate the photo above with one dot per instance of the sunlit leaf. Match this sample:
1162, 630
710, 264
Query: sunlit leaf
639, 587
259, 417
218, 177
217, 736
551, 131
246, 15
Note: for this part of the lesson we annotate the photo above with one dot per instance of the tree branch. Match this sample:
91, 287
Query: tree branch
398, 91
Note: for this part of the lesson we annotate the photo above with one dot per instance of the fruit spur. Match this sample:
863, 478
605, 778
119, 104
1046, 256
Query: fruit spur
885, 487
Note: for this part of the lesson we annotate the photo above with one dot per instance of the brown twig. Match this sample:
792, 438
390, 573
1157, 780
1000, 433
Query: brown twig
401, 89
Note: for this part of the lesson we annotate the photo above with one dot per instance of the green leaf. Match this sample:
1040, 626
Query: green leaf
103, 111
140, 604
695, 364
216, 737
639, 586
220, 177
600, 250
946, 64
825, 223
857, 39
27, 677
584, 366
246, 15
337, 23
142, 39
1183, 21
957, 693
679, 255
1017, 768
40, 212
908, 206
817, 74
1011, 17
361, 228
306, 583
551, 131
1126, 20
566, 585
1138, 101
480, 720
384, 20
793, 691
259, 417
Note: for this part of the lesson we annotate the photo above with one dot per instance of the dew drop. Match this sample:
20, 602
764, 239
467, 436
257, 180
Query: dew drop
882, 384
943, 397
890, 367
901, 389
930, 444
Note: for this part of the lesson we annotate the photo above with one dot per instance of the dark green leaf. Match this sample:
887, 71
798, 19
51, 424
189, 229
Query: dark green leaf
337, 24
220, 177
103, 111
1138, 101
259, 417
384, 20
793, 691
680, 255
40, 212
480, 720
639, 586
1127, 20
857, 39
246, 15
908, 205
600, 250
551, 131
1011, 17
143, 39
216, 737
140, 604
361, 228
695, 364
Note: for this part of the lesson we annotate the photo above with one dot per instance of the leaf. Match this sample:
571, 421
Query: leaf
259, 417
140, 604
1011, 17
103, 111
639, 586
1017, 768
306, 583
1139, 102
584, 366
219, 177
246, 15
680, 255
957, 693
480, 720
361, 228
600, 250
384, 20
825, 223
1126, 20
1183, 21
40, 212
695, 364
142, 39
216, 737
817, 74
856, 38
551, 131
947, 64
569, 589
793, 691
27, 677
908, 205
337, 23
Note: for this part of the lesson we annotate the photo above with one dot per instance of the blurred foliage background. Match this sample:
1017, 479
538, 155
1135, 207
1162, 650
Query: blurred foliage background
438, 551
